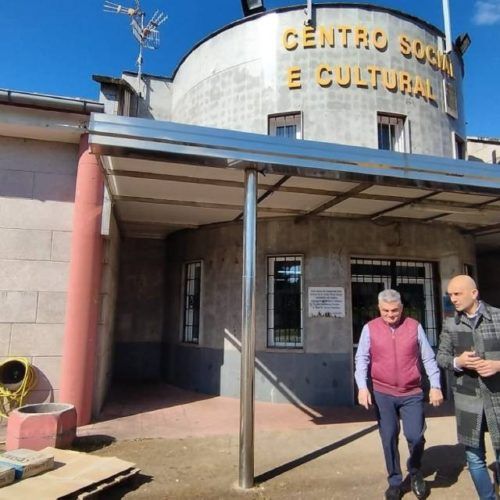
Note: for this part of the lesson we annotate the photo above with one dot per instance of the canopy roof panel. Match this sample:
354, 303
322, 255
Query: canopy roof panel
166, 176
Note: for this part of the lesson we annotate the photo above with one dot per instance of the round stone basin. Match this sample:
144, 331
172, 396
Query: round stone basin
45, 408
37, 426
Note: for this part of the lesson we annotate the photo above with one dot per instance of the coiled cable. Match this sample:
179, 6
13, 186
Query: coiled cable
17, 378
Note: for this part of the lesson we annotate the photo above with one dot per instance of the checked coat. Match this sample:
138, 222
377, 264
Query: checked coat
474, 395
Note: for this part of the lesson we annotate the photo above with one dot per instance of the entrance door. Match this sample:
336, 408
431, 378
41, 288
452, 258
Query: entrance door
415, 281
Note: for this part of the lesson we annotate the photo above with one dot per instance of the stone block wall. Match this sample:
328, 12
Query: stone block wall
37, 186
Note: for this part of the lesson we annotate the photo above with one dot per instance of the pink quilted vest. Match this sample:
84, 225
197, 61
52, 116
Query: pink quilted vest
395, 357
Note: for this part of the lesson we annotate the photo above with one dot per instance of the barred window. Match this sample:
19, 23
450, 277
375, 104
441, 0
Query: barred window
391, 133
191, 302
284, 301
286, 125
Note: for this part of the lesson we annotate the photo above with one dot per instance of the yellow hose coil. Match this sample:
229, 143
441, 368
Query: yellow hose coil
17, 378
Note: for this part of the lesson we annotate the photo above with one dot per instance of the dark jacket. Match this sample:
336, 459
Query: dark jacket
473, 394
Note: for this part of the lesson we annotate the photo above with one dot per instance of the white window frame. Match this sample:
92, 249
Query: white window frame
271, 342
188, 339
275, 121
450, 98
456, 139
399, 131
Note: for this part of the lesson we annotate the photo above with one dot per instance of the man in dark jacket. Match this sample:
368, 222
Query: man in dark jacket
470, 349
389, 353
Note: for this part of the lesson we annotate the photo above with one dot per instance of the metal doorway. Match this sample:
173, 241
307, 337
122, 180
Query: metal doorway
416, 281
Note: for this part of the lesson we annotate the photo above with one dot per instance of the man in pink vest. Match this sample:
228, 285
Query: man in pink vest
390, 351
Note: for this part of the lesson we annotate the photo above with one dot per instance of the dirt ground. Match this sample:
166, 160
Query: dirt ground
336, 462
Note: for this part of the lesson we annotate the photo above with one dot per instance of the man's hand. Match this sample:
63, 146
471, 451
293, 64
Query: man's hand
435, 397
487, 367
365, 398
468, 359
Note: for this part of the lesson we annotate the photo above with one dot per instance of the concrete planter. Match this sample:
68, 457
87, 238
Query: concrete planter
37, 426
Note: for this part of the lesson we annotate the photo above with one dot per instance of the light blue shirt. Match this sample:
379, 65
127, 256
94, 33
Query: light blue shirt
363, 355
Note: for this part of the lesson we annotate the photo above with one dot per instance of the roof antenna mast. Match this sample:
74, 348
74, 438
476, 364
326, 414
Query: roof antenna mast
146, 34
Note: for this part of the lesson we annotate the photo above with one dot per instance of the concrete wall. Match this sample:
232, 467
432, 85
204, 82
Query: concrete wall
140, 309
321, 372
487, 151
237, 77
105, 329
37, 184
156, 96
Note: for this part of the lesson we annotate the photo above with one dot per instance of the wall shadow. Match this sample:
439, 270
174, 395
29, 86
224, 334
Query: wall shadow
42, 392
125, 400
266, 476
318, 383
92, 442
122, 489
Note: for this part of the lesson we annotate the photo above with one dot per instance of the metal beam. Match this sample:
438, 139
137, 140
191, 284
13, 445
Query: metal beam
337, 200
269, 192
491, 229
401, 205
202, 204
291, 189
247, 375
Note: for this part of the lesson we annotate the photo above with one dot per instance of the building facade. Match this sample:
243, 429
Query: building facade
354, 124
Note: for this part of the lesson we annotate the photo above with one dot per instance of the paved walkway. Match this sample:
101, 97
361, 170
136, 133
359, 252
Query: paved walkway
164, 411
186, 445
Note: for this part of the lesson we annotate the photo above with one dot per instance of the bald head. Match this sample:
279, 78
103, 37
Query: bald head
463, 294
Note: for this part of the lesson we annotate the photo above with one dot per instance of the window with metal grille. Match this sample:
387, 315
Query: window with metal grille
284, 301
391, 133
191, 301
415, 281
286, 125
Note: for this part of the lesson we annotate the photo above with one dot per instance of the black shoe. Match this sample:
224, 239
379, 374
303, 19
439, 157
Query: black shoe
418, 485
393, 493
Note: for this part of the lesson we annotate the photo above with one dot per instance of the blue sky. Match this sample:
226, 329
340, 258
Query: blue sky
56, 46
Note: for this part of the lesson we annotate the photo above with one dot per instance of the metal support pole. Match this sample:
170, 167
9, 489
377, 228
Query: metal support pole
309, 13
447, 25
246, 468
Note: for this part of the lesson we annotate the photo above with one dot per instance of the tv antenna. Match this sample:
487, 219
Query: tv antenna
146, 34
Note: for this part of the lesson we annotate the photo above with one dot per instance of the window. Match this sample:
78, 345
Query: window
459, 152
284, 301
469, 270
415, 281
191, 303
286, 125
450, 99
391, 133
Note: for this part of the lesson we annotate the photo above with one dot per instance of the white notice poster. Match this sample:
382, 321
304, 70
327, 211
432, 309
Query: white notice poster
326, 301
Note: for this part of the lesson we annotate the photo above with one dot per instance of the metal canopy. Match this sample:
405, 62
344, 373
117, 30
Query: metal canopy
165, 176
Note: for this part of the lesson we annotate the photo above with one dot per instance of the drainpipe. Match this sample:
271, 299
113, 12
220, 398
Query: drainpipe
82, 305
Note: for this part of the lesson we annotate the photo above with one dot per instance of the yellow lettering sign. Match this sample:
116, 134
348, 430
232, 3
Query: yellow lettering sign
294, 78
